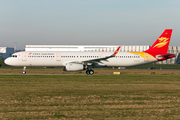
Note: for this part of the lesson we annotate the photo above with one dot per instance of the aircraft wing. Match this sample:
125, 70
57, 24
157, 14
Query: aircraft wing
98, 60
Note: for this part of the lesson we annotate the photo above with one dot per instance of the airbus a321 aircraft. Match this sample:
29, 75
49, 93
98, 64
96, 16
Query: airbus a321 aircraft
77, 61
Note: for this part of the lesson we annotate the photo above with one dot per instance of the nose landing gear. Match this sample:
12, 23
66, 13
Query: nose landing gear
24, 70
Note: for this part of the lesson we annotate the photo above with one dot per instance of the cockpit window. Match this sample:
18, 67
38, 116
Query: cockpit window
15, 56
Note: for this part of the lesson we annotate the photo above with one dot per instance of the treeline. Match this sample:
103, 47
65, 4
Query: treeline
2, 62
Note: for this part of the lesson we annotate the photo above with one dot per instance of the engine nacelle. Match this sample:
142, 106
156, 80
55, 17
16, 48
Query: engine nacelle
74, 67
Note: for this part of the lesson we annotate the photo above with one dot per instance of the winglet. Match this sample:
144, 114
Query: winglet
116, 51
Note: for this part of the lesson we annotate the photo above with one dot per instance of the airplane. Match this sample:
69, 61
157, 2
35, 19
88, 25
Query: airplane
78, 60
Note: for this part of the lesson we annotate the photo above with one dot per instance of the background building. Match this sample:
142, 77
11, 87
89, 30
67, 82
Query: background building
83, 48
6, 52
172, 49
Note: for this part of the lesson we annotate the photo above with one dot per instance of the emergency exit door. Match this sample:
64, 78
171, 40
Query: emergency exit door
100, 55
58, 56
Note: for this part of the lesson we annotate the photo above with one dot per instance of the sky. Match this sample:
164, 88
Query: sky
87, 22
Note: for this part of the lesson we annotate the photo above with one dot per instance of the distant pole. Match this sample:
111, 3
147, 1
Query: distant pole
14, 47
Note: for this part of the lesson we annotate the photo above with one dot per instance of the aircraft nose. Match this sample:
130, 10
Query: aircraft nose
7, 61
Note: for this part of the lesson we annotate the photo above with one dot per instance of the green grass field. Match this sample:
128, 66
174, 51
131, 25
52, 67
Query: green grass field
98, 97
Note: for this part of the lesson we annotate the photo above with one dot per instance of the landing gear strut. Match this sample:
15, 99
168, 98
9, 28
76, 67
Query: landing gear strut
24, 70
89, 71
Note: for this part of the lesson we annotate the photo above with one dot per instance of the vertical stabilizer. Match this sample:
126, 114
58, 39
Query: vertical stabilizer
161, 44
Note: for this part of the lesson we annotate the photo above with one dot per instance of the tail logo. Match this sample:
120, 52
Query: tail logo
162, 42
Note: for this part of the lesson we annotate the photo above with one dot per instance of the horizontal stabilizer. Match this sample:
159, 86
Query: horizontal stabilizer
165, 56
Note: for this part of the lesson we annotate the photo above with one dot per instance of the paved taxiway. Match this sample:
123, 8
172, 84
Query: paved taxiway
38, 74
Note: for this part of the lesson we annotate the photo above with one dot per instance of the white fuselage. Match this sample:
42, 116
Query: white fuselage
122, 59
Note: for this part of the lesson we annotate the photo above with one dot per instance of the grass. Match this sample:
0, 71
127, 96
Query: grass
99, 97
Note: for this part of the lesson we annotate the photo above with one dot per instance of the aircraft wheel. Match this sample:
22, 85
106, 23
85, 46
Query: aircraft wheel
91, 72
87, 72
24, 72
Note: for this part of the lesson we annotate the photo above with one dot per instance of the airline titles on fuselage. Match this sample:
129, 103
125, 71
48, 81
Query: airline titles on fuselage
41, 55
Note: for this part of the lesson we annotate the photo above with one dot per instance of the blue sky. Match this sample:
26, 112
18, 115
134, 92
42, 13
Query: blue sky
87, 22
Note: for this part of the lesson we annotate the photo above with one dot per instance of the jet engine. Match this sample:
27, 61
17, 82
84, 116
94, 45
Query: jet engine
74, 67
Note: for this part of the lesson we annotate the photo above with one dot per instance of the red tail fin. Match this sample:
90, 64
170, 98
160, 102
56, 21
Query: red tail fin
162, 43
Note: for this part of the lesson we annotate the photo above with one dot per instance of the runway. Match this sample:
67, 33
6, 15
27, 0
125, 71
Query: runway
102, 71
37, 74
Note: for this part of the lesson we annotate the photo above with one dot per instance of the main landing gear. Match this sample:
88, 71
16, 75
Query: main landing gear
24, 70
89, 72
